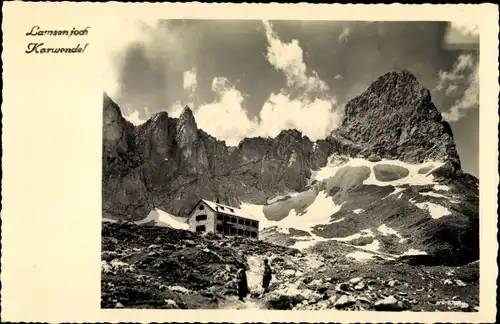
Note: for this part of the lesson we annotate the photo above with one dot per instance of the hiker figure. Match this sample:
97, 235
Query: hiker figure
266, 279
242, 283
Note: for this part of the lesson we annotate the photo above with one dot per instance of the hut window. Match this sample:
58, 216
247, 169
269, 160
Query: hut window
200, 228
201, 207
219, 217
233, 219
247, 223
201, 217
254, 224
219, 228
240, 231
226, 218
254, 234
247, 233
232, 230
241, 222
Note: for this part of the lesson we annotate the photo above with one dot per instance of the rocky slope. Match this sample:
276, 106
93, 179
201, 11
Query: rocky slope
157, 267
392, 164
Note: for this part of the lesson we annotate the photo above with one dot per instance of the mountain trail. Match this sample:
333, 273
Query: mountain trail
250, 303
146, 266
254, 279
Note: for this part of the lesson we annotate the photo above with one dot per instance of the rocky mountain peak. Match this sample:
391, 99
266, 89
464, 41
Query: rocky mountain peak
155, 137
191, 149
116, 129
393, 119
187, 115
160, 117
293, 133
396, 119
111, 110
187, 130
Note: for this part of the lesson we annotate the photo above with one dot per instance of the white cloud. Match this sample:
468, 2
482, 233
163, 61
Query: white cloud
189, 80
134, 118
313, 117
313, 111
288, 58
462, 35
465, 74
225, 118
451, 89
463, 65
465, 27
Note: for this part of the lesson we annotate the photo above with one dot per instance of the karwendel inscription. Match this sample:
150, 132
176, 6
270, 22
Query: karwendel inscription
39, 47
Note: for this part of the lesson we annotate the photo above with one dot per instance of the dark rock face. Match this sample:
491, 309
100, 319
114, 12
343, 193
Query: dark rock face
169, 163
388, 172
396, 119
125, 195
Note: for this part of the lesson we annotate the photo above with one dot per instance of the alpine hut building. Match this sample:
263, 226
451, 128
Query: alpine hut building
208, 216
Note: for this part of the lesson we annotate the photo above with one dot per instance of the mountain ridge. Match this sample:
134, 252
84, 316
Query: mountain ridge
159, 138
169, 163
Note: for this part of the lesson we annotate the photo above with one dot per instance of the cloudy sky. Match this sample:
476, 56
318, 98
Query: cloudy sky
255, 78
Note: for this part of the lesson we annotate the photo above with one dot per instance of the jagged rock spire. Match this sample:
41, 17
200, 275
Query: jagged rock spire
396, 119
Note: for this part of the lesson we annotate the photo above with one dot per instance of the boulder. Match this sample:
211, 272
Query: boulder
344, 301
283, 302
389, 304
355, 281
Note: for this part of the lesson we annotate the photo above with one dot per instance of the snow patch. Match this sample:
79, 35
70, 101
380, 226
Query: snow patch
318, 213
360, 256
432, 194
441, 187
414, 178
162, 218
395, 192
338, 220
436, 211
302, 244
386, 231
275, 199
414, 252
358, 211
373, 246
334, 162
313, 262
283, 230
179, 289
363, 233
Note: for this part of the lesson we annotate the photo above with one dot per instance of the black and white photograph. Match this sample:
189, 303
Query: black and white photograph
291, 165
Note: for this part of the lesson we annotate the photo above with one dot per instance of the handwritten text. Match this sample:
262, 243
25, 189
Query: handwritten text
39, 47
37, 31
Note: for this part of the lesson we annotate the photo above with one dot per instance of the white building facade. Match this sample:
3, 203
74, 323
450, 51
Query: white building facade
209, 216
